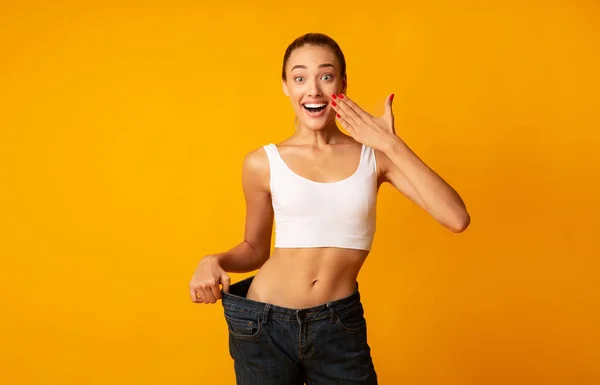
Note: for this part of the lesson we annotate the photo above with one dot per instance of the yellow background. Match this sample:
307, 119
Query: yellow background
123, 127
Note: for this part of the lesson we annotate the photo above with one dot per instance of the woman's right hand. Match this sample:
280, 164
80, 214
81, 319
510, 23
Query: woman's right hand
204, 286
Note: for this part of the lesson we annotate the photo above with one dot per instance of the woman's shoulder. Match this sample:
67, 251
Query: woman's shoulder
256, 161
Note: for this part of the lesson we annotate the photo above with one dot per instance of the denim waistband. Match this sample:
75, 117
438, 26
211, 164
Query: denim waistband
235, 300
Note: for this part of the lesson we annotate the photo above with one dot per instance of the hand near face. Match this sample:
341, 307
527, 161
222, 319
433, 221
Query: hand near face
371, 131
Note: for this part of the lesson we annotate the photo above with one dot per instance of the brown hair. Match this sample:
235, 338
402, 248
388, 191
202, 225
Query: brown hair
320, 40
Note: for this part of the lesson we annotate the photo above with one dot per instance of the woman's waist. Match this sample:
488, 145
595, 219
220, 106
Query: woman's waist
237, 301
300, 278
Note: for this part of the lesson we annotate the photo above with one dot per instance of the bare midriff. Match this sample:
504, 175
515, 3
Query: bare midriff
303, 278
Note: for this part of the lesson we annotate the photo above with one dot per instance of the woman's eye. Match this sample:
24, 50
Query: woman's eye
327, 77
298, 78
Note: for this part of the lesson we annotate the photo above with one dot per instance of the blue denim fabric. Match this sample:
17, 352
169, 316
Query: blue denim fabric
274, 345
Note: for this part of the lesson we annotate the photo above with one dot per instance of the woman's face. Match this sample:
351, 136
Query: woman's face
313, 75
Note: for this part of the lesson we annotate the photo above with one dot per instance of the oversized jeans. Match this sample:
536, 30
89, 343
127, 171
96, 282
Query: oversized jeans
274, 345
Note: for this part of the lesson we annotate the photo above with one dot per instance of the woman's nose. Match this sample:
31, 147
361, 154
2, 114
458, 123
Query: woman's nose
315, 89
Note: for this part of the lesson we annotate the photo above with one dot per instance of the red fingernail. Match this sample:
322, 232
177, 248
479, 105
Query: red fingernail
333, 96
392, 97
333, 103
341, 96
338, 115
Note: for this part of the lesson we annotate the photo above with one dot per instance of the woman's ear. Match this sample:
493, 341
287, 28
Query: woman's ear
285, 88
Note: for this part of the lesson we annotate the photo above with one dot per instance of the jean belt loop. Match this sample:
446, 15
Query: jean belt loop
266, 312
331, 310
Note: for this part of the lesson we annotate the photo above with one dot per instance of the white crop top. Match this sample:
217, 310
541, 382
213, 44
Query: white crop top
323, 214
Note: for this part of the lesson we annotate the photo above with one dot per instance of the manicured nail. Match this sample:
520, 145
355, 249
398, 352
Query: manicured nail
341, 96
333, 96
392, 97
338, 115
333, 103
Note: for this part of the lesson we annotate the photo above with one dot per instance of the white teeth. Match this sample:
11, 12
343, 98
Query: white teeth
310, 105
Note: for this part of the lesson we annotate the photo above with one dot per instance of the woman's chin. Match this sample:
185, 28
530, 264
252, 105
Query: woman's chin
318, 124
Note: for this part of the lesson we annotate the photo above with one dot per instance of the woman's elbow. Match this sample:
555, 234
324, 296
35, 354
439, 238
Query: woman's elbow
461, 221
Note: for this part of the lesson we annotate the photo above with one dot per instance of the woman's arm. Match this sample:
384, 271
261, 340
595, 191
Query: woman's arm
254, 250
404, 170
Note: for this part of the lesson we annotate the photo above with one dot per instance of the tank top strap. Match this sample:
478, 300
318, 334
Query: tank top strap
367, 158
275, 161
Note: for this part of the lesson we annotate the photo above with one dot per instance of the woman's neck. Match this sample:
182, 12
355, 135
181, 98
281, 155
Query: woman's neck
329, 134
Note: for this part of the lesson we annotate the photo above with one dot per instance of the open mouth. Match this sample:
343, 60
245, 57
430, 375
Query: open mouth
314, 107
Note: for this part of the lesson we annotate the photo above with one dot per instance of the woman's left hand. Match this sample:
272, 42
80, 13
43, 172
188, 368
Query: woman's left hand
362, 126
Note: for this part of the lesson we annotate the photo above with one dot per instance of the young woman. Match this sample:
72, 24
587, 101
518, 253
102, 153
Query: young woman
300, 319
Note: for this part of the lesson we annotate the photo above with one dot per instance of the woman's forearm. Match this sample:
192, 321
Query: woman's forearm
242, 258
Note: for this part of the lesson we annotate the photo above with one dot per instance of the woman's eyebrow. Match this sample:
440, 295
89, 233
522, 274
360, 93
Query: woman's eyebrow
305, 67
